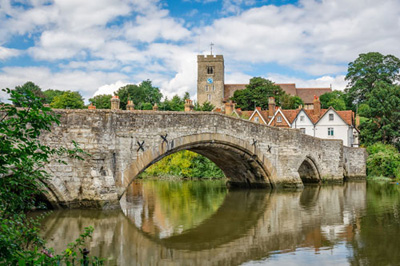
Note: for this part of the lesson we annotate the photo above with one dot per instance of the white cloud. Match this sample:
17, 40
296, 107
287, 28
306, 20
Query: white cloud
6, 53
110, 88
100, 43
87, 83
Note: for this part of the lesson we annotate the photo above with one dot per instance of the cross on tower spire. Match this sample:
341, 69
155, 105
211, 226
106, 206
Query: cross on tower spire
211, 45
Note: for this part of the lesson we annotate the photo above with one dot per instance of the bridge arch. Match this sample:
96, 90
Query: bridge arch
308, 171
242, 163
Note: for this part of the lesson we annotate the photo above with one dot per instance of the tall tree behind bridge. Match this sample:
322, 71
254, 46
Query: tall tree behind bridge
27, 89
364, 73
257, 93
139, 94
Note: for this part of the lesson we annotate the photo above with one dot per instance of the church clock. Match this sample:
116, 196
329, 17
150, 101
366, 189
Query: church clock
210, 80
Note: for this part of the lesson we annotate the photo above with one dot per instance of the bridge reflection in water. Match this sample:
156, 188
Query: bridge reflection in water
205, 224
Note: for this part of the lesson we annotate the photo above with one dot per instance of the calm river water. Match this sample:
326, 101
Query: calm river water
202, 223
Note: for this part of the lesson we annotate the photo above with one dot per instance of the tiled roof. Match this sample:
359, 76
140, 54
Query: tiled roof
289, 88
315, 118
229, 89
307, 94
264, 114
290, 114
347, 116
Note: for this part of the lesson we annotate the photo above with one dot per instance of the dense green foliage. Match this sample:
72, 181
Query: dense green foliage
205, 107
185, 164
68, 100
51, 94
141, 94
383, 160
383, 115
102, 101
335, 99
256, 94
368, 69
26, 89
175, 104
22, 178
291, 102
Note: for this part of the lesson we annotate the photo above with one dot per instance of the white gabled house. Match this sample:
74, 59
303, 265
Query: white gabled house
328, 124
316, 122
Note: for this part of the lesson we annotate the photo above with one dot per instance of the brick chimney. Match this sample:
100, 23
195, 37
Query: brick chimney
188, 105
317, 106
91, 107
115, 103
271, 106
229, 107
130, 106
155, 107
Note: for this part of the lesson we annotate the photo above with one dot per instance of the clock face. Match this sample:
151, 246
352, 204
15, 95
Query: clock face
210, 80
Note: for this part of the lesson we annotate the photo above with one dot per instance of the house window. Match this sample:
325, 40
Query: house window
330, 131
302, 118
279, 119
303, 130
256, 119
330, 117
210, 70
209, 97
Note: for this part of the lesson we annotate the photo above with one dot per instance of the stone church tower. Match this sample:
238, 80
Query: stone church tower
210, 79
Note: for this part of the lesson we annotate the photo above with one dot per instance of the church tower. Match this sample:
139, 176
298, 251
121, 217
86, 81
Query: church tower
210, 79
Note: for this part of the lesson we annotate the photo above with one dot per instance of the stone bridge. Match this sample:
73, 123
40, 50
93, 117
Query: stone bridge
123, 144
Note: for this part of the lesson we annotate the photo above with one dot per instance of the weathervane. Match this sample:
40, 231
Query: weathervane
211, 45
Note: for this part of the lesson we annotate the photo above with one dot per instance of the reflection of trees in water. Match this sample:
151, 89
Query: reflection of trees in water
248, 225
165, 208
377, 237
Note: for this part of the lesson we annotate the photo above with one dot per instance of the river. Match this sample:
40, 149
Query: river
203, 223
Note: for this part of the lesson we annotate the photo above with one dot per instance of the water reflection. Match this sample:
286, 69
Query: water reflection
346, 224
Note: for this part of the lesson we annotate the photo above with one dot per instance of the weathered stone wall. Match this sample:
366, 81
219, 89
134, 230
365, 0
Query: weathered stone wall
354, 162
124, 143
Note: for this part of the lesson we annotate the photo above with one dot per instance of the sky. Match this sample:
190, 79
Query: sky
98, 46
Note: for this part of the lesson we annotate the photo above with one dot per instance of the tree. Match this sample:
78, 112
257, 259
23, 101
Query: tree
257, 93
23, 157
51, 94
205, 107
29, 87
102, 101
139, 94
291, 102
335, 99
68, 100
383, 115
368, 69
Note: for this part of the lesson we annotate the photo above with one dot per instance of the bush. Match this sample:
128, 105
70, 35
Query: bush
383, 160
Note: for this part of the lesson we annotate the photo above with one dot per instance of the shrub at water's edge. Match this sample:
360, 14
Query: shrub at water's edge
383, 161
23, 158
184, 164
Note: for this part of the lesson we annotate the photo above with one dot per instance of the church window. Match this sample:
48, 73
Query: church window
209, 97
330, 117
279, 119
213, 87
206, 87
302, 118
330, 131
210, 70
